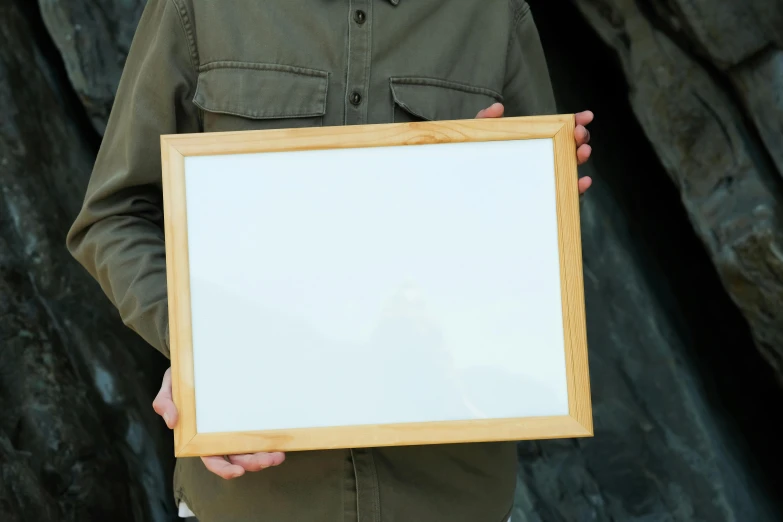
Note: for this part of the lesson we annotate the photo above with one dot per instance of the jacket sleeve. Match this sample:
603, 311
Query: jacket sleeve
527, 89
118, 233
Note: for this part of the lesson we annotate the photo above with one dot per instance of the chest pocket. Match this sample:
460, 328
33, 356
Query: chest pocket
235, 96
429, 99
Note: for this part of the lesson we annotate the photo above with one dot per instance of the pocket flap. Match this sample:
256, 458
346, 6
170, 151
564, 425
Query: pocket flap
433, 99
261, 91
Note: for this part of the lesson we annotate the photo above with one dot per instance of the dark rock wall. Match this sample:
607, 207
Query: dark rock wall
706, 85
93, 37
78, 439
682, 251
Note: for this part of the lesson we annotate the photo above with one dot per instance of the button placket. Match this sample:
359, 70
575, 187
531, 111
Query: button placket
367, 489
359, 49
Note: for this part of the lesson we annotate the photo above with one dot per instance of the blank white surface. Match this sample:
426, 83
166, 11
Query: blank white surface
372, 286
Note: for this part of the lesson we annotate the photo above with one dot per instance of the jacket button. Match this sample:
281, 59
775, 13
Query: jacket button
356, 98
360, 17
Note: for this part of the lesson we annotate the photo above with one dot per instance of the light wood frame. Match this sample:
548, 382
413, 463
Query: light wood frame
560, 128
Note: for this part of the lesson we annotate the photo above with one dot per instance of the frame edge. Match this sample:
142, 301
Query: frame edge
390, 435
178, 294
174, 148
571, 276
370, 135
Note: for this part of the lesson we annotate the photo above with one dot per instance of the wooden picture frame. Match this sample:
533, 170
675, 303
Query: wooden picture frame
176, 149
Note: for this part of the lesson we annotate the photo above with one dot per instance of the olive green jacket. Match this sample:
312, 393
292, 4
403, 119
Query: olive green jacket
209, 65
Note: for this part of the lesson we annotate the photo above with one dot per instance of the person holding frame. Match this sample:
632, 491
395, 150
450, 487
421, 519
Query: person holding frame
205, 66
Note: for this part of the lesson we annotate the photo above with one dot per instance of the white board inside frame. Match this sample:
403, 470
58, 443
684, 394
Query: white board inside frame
339, 290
